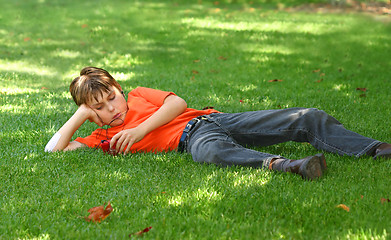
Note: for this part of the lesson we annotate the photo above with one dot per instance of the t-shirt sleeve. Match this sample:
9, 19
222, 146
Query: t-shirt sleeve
154, 96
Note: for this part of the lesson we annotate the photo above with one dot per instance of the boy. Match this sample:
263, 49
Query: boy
157, 121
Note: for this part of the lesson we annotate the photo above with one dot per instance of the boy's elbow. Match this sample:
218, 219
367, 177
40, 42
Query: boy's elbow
183, 104
176, 102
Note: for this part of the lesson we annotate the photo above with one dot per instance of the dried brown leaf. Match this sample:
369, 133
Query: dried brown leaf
140, 233
344, 207
275, 80
99, 213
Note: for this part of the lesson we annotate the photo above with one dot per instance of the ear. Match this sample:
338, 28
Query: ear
122, 92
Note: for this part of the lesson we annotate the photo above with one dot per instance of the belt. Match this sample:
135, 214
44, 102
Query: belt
185, 134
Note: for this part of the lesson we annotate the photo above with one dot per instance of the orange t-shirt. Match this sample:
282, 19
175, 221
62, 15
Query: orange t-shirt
143, 103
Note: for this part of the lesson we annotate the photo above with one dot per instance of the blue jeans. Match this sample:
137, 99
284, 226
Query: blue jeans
221, 139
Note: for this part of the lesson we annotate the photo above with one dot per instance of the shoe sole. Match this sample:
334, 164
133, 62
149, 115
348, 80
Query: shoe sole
311, 168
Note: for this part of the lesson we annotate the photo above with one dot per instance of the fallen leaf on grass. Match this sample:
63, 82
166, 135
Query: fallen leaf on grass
275, 80
140, 233
251, 9
316, 70
344, 207
361, 89
98, 214
361, 197
383, 200
195, 72
196, 61
222, 58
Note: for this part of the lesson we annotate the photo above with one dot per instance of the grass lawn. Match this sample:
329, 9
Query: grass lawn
235, 57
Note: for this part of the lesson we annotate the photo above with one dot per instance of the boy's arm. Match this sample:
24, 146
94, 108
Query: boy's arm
172, 107
61, 140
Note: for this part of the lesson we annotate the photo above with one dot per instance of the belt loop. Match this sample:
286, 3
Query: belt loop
185, 134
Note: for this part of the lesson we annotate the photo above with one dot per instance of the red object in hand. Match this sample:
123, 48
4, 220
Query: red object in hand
105, 145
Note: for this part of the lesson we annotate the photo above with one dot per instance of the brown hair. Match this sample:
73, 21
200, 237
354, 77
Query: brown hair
91, 83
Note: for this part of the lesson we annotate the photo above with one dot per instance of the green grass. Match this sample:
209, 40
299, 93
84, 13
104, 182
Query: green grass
236, 50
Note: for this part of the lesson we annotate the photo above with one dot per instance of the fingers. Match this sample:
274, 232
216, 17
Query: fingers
91, 115
128, 145
128, 148
114, 140
122, 142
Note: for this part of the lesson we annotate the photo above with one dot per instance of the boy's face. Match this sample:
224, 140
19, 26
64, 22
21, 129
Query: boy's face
111, 107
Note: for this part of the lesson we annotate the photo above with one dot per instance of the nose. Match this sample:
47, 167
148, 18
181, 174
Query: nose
110, 107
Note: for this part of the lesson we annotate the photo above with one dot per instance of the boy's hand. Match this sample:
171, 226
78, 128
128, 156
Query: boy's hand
90, 114
127, 138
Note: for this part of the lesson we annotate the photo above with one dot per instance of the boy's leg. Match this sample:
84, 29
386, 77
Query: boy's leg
268, 127
208, 143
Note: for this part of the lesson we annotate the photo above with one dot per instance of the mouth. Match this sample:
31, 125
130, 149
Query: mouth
117, 119
118, 115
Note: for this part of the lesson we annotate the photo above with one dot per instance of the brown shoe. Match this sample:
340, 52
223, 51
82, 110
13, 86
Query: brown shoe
383, 151
311, 167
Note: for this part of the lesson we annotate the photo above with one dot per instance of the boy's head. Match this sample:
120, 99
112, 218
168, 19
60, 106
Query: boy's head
97, 89
91, 84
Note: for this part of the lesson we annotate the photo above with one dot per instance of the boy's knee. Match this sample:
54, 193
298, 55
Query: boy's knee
314, 115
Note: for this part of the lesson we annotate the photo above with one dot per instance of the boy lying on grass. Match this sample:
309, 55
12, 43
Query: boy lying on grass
158, 121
